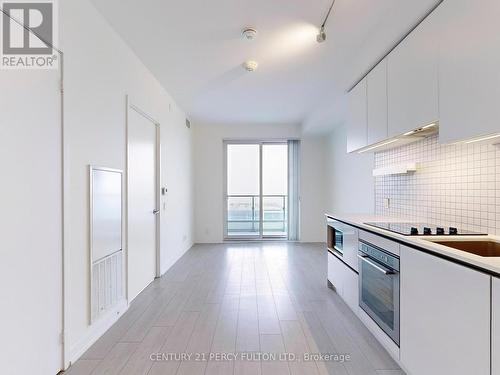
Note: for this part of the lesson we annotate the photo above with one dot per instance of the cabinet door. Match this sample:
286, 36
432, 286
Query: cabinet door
335, 272
412, 80
377, 103
469, 69
345, 282
445, 316
357, 125
350, 292
495, 334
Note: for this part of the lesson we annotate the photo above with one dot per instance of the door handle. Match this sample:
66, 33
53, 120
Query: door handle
156, 212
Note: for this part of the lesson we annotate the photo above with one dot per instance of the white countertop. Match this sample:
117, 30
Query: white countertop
488, 264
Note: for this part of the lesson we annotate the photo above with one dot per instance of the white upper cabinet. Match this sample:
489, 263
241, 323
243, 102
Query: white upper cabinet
357, 123
412, 79
495, 334
445, 316
377, 103
469, 69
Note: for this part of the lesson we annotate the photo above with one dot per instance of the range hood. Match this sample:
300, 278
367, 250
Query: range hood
403, 139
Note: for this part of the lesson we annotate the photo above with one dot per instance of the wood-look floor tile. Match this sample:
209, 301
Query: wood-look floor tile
116, 359
83, 367
273, 344
140, 362
239, 298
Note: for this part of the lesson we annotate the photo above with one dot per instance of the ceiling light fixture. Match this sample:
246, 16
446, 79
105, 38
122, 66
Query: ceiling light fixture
250, 65
321, 37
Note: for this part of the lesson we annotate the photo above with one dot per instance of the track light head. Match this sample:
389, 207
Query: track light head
321, 37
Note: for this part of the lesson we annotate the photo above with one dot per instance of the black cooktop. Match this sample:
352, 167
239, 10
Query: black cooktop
423, 229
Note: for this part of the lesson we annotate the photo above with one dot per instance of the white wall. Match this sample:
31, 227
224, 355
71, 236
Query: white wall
100, 70
350, 185
208, 167
313, 188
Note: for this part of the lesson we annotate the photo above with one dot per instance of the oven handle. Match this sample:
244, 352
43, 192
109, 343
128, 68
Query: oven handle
384, 270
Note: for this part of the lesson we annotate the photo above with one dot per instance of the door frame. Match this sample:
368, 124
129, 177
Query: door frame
131, 106
261, 143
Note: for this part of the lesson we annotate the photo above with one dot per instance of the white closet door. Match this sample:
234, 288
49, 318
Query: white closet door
30, 222
141, 203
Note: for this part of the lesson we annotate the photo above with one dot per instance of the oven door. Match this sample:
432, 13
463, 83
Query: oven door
379, 293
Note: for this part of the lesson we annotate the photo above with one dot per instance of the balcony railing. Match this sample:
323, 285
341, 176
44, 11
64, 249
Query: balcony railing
243, 215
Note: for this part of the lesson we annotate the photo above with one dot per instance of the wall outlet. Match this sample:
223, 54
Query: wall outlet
387, 202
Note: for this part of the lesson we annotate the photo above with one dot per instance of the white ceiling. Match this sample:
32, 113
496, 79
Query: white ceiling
195, 50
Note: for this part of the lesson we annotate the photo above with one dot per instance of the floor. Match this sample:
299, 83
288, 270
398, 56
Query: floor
239, 298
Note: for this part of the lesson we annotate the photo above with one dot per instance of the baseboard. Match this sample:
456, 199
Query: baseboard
95, 331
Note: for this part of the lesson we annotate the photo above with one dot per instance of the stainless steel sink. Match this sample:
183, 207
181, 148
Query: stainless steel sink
483, 248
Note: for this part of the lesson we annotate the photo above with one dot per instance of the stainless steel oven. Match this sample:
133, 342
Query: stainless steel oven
379, 287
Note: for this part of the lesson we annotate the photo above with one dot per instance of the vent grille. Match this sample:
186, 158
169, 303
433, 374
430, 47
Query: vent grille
107, 284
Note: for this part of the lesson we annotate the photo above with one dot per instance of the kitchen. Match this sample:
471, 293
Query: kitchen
422, 268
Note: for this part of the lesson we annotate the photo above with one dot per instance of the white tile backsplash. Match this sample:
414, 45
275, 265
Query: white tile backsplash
455, 185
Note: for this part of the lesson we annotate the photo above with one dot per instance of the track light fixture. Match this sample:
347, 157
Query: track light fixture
321, 37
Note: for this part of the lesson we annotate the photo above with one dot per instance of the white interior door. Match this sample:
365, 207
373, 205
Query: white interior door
142, 202
30, 222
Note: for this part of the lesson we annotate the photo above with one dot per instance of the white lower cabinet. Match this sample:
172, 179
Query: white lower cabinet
335, 272
350, 294
345, 281
495, 333
445, 316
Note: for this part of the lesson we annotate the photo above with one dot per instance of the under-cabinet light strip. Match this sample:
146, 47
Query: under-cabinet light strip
378, 145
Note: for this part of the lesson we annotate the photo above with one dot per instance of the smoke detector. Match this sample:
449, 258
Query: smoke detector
250, 65
249, 33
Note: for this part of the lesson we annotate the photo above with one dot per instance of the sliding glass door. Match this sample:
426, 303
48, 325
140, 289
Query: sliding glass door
243, 169
256, 190
275, 190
